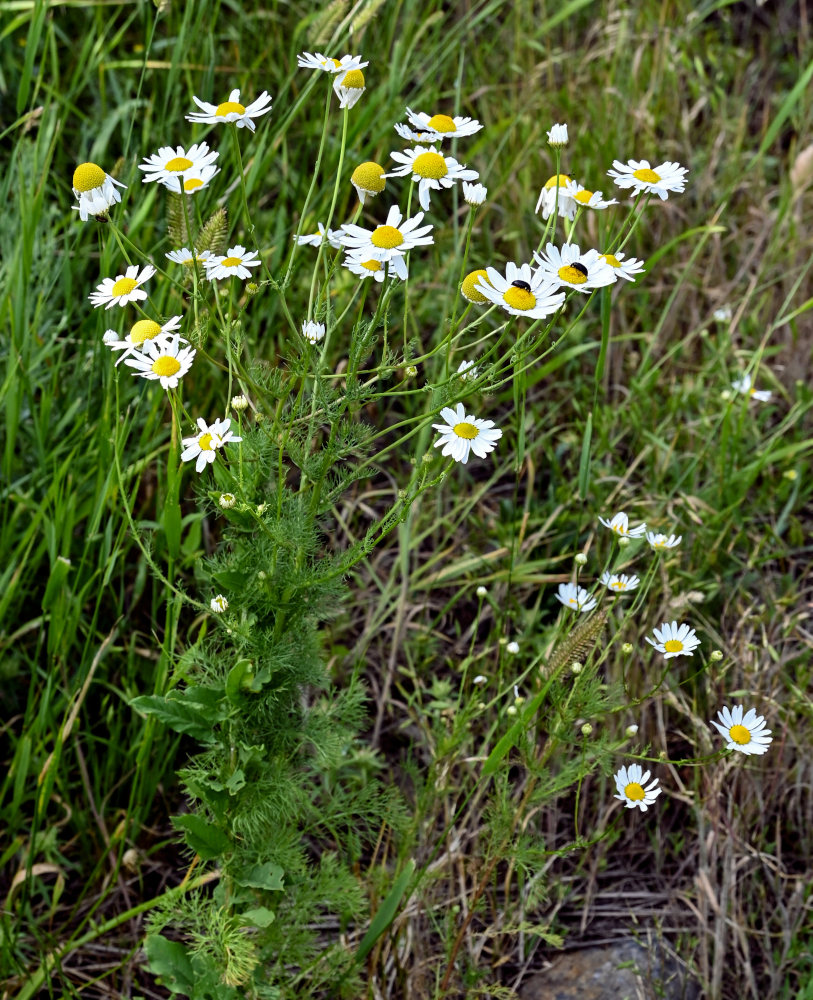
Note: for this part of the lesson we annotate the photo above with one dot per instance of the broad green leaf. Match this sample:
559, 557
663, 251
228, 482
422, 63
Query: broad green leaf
205, 839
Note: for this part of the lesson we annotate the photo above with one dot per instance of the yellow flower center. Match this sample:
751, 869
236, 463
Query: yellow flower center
144, 329
166, 365
469, 287
205, 441
634, 791
227, 107
88, 176
430, 165
354, 79
572, 600
232, 261
124, 286
332, 62
584, 196
371, 265
519, 298
442, 123
192, 184
178, 163
740, 735
466, 431
563, 181
369, 177
572, 275
619, 585
673, 646
647, 176
610, 259
387, 237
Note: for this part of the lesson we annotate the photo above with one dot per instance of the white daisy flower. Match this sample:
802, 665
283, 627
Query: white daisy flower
513, 648
95, 190
469, 288
192, 181
231, 111
743, 385
313, 332
660, 180
166, 362
631, 783
745, 734
674, 640
142, 332
587, 199
388, 242
375, 269
570, 268
431, 170
574, 597
316, 60
557, 136
332, 236
722, 315
227, 500
369, 180
349, 87
122, 289
620, 526
423, 128
623, 268
547, 198
170, 164
219, 604
184, 256
521, 292
204, 445
660, 542
474, 194
463, 433
467, 371
619, 583
237, 262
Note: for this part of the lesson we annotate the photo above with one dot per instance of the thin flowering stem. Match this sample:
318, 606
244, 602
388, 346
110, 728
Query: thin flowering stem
194, 268
451, 332
336, 185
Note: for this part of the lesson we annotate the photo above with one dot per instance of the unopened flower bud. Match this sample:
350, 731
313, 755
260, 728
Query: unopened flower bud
580, 559
623, 540
587, 729
252, 287
239, 403
576, 668
627, 648
481, 592
411, 371
511, 710
716, 655
631, 730
227, 500
512, 647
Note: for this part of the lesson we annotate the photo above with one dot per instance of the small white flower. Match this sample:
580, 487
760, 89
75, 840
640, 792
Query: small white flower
142, 331
388, 242
587, 199
723, 314
227, 500
474, 194
557, 136
619, 583
231, 111
122, 289
569, 268
423, 128
521, 292
316, 60
631, 783
203, 446
239, 403
619, 525
184, 256
481, 592
95, 190
660, 542
743, 386
626, 269
237, 261
322, 235
431, 169
548, 198
170, 164
166, 362
576, 598
674, 640
467, 371
480, 679
349, 87
745, 734
631, 730
313, 332
660, 180
356, 264
369, 180
463, 433
219, 604
513, 649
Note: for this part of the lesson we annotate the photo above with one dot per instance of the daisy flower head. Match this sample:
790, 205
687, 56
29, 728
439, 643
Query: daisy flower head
744, 385
745, 733
474, 194
557, 136
587, 199
469, 287
620, 583
626, 269
436, 128
660, 542
122, 289
722, 315
555, 191
316, 60
464, 433
231, 111
203, 445
315, 239
184, 256
376, 269
166, 361
142, 332
192, 181
237, 261
219, 604
674, 640
95, 190
349, 87
619, 525
574, 597
467, 371
521, 292
431, 169
313, 332
369, 180
388, 242
570, 268
170, 164
660, 180
631, 784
